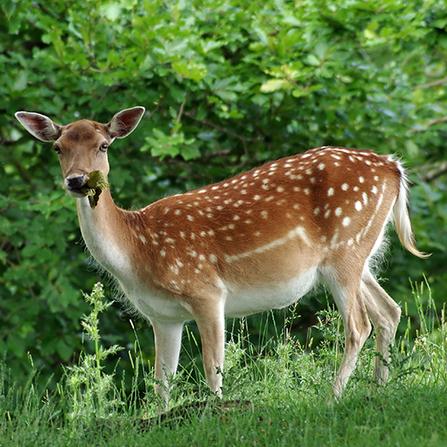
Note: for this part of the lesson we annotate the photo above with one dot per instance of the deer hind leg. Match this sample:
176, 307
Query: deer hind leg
385, 316
168, 338
348, 297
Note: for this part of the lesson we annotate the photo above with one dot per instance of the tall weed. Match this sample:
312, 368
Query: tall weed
90, 392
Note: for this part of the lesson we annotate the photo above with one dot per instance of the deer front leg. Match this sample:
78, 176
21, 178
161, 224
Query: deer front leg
168, 338
212, 332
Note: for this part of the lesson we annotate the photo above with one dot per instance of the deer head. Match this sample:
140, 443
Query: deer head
81, 146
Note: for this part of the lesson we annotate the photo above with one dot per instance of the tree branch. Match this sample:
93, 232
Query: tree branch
431, 172
430, 123
222, 129
431, 84
436, 120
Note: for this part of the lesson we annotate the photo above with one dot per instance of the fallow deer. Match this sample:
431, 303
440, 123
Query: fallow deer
257, 241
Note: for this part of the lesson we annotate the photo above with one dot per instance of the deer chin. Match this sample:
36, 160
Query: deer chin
75, 192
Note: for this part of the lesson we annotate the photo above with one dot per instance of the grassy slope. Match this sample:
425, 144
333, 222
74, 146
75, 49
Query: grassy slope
279, 399
404, 416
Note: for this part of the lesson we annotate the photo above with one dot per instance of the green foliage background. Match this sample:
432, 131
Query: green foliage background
227, 85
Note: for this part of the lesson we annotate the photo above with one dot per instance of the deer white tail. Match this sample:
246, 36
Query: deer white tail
402, 221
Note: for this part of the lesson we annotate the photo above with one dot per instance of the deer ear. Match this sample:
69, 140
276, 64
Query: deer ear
40, 126
124, 122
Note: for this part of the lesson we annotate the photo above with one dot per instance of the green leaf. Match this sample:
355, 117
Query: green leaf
112, 10
96, 184
190, 152
64, 350
210, 45
321, 49
412, 148
311, 59
190, 70
97, 180
370, 34
298, 92
21, 81
273, 85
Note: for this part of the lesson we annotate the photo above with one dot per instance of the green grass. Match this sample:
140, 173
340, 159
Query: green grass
280, 398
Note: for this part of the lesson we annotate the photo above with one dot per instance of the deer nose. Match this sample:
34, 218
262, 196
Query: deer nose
76, 182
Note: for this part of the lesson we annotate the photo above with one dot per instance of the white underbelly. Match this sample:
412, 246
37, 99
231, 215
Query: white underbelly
241, 302
156, 307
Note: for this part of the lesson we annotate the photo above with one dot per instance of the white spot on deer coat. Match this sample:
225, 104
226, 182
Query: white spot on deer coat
365, 198
191, 252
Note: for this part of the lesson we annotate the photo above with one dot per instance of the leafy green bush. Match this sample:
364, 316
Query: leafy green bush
227, 85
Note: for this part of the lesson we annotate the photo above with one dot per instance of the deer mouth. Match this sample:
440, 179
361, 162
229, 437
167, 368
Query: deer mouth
90, 185
76, 186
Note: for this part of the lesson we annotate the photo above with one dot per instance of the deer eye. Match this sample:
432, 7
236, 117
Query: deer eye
57, 149
103, 147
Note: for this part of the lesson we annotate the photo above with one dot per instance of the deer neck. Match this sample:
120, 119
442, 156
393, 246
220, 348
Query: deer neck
104, 231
